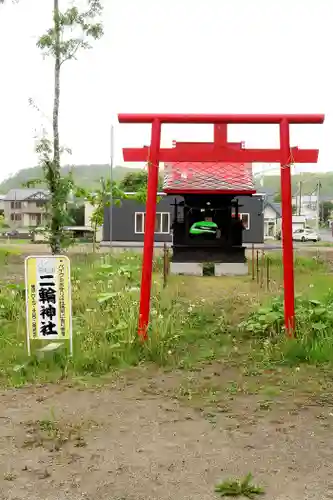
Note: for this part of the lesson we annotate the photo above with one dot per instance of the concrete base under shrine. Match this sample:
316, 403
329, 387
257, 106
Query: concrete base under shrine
220, 269
231, 269
187, 268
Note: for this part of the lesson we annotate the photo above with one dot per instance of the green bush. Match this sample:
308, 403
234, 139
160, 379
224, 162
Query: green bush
315, 315
313, 339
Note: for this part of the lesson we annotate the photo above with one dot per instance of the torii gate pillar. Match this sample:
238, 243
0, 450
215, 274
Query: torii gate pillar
287, 229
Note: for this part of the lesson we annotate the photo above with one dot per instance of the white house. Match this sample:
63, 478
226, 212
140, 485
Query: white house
88, 211
25, 208
272, 220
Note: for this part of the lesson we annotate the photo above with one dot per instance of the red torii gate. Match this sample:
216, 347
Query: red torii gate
220, 151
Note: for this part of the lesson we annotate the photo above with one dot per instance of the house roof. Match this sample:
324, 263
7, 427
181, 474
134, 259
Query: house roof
203, 177
266, 191
24, 194
275, 206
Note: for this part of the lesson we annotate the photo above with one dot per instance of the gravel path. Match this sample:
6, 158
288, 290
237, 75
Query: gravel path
128, 442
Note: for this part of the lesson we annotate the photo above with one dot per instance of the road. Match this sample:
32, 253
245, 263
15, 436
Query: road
31, 248
326, 235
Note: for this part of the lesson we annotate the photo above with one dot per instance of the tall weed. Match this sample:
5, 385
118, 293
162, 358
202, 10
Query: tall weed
105, 293
313, 340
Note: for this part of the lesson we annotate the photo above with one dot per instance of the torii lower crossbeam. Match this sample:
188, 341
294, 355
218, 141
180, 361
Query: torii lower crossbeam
220, 151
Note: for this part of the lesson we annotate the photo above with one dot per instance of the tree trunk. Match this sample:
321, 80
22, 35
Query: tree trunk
55, 167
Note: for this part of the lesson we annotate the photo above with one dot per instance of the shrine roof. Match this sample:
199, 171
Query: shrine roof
208, 177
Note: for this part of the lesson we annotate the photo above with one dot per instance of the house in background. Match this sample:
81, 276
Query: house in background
2, 204
272, 219
25, 208
267, 194
88, 226
128, 221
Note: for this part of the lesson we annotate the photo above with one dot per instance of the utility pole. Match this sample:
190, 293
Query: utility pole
111, 182
262, 180
318, 204
300, 184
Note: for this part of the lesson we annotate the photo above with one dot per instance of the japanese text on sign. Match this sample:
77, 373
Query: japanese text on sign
48, 297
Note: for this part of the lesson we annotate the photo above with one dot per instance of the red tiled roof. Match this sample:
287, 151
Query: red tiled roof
201, 177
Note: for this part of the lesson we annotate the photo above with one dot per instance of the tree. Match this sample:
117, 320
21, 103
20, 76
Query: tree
76, 213
59, 43
136, 182
99, 199
277, 197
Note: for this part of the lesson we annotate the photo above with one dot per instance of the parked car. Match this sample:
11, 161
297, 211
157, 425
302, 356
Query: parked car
11, 234
305, 234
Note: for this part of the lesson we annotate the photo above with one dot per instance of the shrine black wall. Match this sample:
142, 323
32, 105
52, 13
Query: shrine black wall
125, 220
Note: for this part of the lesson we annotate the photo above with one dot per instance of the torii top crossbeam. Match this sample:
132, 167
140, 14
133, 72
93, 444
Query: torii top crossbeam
262, 119
220, 149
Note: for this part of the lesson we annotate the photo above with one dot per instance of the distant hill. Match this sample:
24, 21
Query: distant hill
271, 183
86, 176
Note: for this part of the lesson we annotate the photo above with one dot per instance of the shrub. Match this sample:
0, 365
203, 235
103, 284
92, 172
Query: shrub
268, 321
313, 333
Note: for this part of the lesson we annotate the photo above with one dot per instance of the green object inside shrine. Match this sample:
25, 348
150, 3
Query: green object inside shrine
202, 227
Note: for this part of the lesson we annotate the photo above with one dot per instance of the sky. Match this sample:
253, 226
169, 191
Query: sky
171, 56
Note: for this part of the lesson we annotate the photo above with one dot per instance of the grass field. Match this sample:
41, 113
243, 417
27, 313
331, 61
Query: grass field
217, 386
192, 320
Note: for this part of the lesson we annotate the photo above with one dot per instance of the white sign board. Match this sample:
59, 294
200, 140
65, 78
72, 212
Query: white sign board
48, 299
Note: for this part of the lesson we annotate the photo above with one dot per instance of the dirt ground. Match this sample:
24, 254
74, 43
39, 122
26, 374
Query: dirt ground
135, 440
